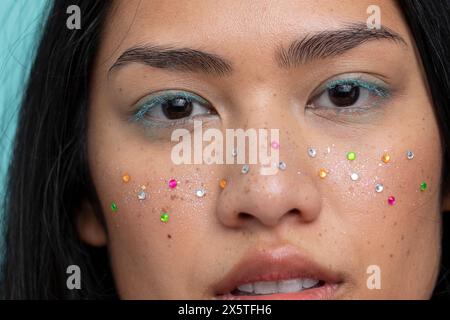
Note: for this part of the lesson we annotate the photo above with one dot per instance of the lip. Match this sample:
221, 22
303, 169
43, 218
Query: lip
281, 263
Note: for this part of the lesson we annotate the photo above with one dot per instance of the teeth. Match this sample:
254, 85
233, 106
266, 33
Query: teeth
282, 286
246, 288
286, 286
309, 283
266, 287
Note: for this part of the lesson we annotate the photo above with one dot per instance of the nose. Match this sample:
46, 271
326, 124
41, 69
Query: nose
267, 199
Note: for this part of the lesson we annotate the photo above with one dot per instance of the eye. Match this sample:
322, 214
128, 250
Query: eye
349, 94
171, 106
177, 108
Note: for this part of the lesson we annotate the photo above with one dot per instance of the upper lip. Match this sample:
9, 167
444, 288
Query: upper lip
277, 264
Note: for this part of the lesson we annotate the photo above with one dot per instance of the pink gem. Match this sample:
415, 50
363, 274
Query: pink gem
275, 145
391, 200
172, 183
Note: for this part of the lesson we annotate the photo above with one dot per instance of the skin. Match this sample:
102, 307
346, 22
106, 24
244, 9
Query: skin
341, 224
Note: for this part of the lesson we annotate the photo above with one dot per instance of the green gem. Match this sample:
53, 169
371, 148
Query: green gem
114, 207
423, 186
351, 156
164, 217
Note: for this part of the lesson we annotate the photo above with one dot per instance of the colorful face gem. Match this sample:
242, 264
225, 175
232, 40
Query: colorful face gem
234, 153
312, 152
173, 183
164, 217
423, 186
351, 156
379, 187
386, 158
223, 183
113, 207
245, 168
275, 145
126, 178
409, 155
142, 195
354, 176
200, 193
282, 165
391, 200
323, 173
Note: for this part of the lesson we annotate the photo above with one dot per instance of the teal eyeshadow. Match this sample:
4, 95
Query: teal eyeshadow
372, 87
152, 102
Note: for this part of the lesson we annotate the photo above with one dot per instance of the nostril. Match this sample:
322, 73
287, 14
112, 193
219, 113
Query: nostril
294, 212
244, 216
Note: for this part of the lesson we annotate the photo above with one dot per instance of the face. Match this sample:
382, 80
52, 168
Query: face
349, 216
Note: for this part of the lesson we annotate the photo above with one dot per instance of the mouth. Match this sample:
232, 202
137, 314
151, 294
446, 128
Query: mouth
280, 274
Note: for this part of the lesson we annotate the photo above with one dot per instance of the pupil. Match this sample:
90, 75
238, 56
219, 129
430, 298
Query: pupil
344, 95
177, 108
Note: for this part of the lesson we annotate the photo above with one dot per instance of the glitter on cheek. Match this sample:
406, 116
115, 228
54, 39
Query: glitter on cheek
142, 195
354, 176
200, 193
379, 188
275, 145
222, 183
323, 173
409, 155
126, 178
114, 207
173, 183
351, 156
164, 217
386, 158
391, 200
282, 165
423, 186
245, 168
312, 152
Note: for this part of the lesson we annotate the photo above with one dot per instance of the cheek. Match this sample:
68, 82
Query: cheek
390, 215
158, 205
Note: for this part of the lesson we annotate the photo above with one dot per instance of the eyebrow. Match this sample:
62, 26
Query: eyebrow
330, 43
319, 45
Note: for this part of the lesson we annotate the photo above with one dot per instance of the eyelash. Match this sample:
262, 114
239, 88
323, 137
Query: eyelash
375, 88
150, 102
139, 113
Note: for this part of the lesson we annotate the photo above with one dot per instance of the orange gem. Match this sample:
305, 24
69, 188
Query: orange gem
125, 178
223, 183
386, 158
323, 173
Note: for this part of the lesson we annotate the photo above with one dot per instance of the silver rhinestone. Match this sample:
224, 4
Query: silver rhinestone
379, 188
200, 193
234, 153
245, 168
282, 165
312, 152
142, 195
354, 176
410, 155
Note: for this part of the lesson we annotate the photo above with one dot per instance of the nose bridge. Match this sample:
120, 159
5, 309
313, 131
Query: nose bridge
266, 198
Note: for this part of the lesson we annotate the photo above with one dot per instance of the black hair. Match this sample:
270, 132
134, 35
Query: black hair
49, 174
429, 23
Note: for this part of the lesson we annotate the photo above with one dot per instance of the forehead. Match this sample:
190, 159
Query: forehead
237, 30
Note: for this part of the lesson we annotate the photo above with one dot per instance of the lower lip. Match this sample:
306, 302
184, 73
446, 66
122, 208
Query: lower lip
325, 292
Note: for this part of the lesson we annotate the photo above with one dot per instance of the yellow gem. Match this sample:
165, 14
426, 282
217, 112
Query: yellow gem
386, 158
323, 173
126, 178
223, 183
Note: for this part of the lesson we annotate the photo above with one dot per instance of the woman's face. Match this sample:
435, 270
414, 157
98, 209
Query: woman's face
325, 226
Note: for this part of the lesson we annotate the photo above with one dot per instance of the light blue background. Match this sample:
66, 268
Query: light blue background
21, 22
